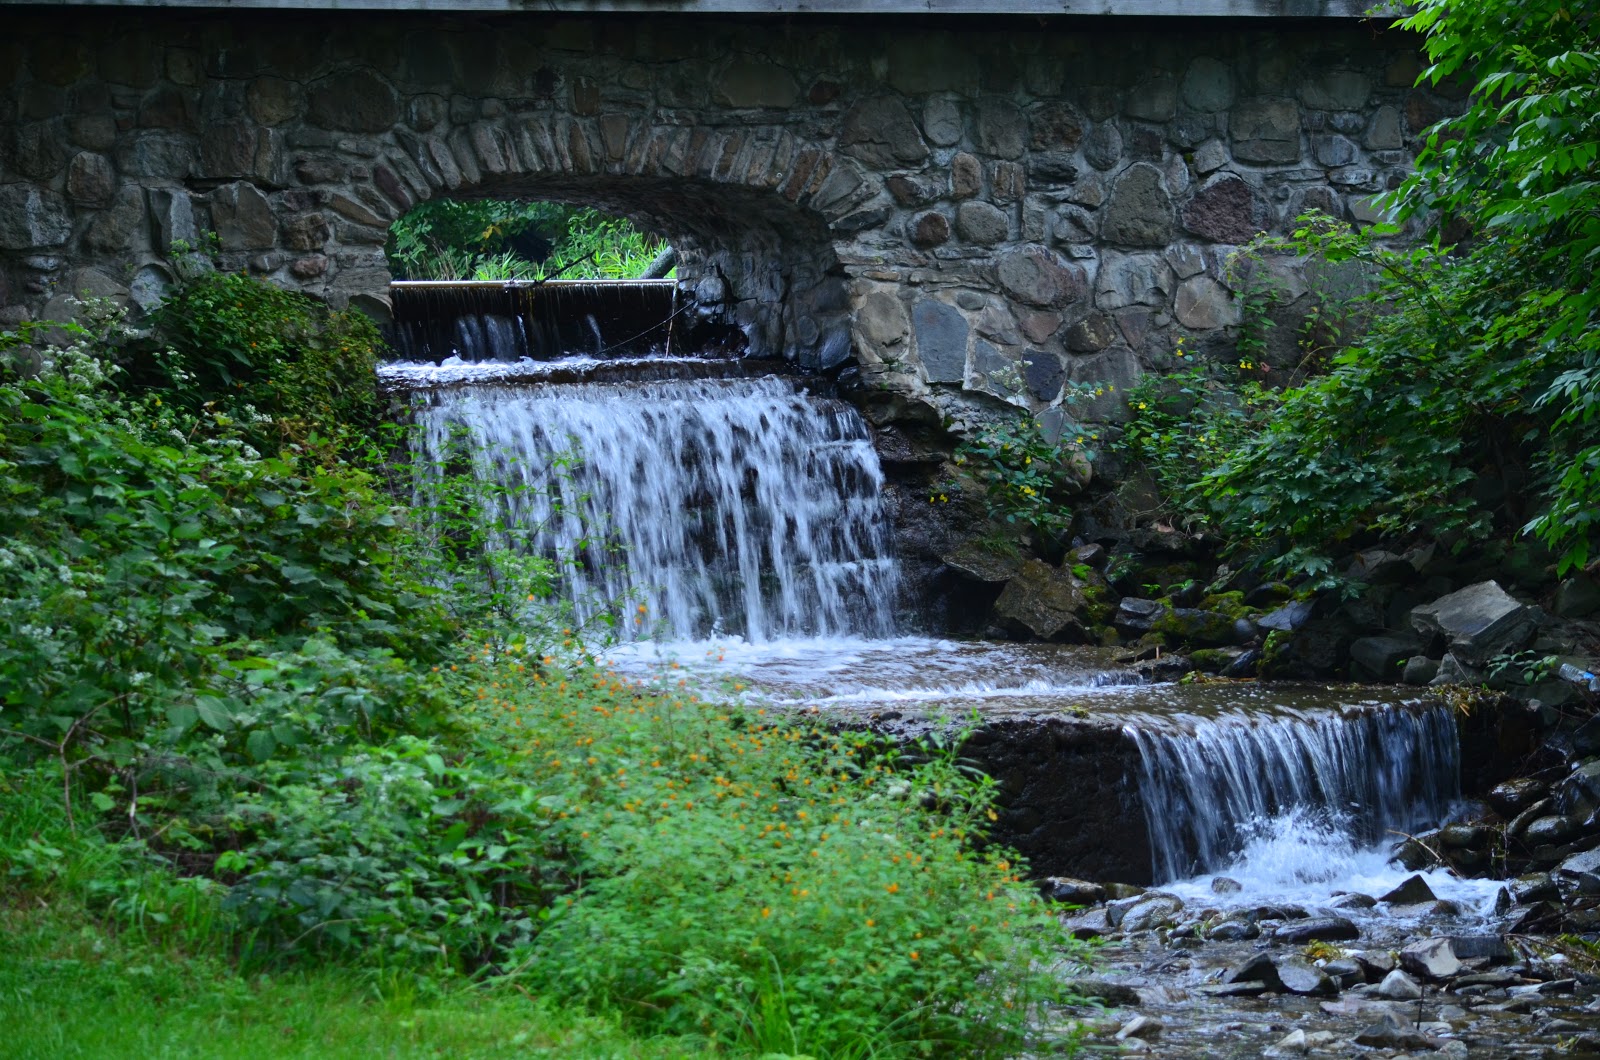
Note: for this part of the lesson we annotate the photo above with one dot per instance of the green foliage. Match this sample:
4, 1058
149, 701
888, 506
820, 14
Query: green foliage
236, 718
487, 239
1026, 474
280, 366
1469, 406
150, 560
1523, 165
1183, 425
1390, 442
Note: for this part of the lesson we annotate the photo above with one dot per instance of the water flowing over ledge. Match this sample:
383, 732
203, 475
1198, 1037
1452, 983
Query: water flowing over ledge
720, 505
1209, 791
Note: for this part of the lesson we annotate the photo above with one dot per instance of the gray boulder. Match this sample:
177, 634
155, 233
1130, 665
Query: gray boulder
1381, 658
1433, 959
1288, 618
1398, 986
1151, 912
1300, 976
1413, 891
1317, 929
1043, 602
1478, 622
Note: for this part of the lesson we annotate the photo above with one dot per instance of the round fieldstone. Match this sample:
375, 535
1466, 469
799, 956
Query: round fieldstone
1225, 210
1039, 276
1140, 210
941, 122
1208, 85
982, 223
353, 101
930, 229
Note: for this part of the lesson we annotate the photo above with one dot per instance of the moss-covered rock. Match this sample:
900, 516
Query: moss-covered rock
1191, 626
1231, 604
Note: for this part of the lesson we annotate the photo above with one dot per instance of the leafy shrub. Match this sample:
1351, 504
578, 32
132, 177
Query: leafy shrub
387, 854
489, 239
1470, 407
1183, 425
1027, 474
281, 366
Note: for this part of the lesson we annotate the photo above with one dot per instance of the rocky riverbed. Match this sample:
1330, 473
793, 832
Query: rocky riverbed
1405, 973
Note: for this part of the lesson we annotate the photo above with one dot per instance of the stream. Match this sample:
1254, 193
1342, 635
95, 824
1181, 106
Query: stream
741, 513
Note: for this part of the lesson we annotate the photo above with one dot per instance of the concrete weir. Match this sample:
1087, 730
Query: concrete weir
968, 208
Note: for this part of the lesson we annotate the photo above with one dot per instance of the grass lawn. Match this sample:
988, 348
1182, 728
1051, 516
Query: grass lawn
71, 988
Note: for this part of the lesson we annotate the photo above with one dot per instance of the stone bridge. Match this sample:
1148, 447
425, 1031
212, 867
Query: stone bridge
996, 204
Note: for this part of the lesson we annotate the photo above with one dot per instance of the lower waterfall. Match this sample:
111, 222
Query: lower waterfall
1213, 792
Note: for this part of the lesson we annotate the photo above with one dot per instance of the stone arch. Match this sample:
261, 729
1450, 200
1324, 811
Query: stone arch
749, 210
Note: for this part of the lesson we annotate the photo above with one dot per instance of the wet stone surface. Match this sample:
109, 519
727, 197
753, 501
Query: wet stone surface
1405, 986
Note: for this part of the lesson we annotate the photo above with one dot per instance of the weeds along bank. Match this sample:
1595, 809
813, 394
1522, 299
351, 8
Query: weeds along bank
262, 714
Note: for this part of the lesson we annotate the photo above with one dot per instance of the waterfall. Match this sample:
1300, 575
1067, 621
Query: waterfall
740, 506
1334, 780
506, 321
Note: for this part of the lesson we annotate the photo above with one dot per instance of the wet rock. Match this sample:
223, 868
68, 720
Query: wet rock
1376, 963
1431, 958
1072, 891
1413, 891
1496, 978
1234, 928
1193, 626
1465, 836
1259, 968
1109, 993
1453, 671
1398, 986
971, 560
1345, 972
1136, 615
1317, 929
1538, 886
1419, 852
1225, 885
1124, 890
1579, 794
1479, 622
1419, 670
1354, 900
1519, 824
1151, 912
1392, 1033
1146, 1027
1244, 988
1288, 618
1044, 602
1480, 947
1381, 658
1094, 924
1551, 831
1295, 1043
1580, 873
1299, 976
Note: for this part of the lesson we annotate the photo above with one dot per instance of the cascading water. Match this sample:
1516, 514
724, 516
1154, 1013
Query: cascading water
742, 506
1300, 795
745, 516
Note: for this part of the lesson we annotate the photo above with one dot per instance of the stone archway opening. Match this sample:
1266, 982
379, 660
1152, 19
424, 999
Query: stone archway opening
755, 265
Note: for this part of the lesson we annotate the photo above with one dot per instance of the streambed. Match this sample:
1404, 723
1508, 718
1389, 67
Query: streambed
741, 518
